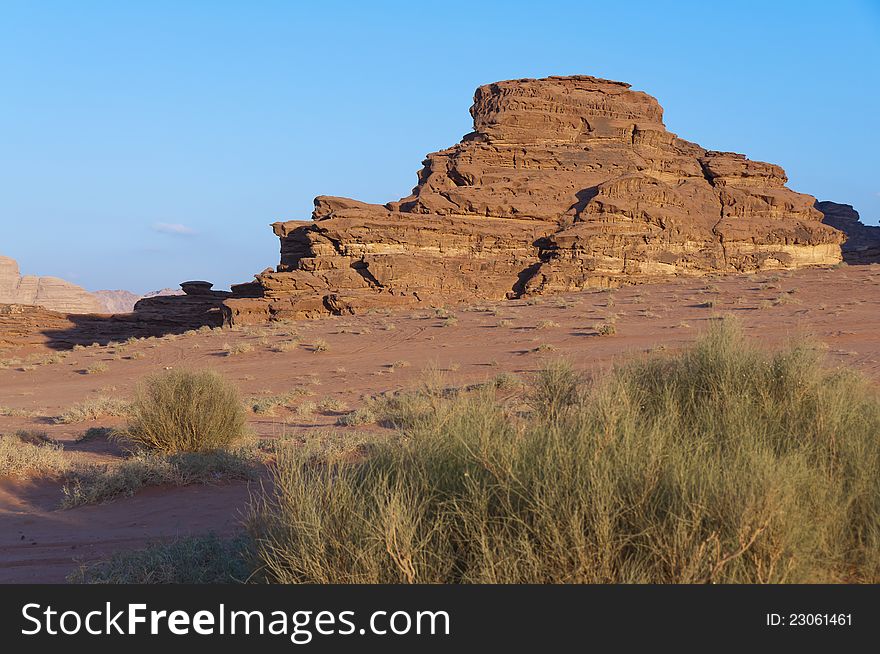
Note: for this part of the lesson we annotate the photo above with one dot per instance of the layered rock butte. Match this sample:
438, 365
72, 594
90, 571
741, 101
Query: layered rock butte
565, 183
47, 292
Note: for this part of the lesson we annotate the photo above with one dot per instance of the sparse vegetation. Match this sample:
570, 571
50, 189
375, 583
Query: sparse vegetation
192, 560
332, 405
286, 346
266, 404
17, 413
26, 453
722, 463
241, 347
506, 381
101, 483
94, 409
320, 345
183, 411
605, 329
306, 410
360, 416
96, 368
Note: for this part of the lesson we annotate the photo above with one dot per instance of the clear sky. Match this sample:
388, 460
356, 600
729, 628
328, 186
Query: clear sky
145, 143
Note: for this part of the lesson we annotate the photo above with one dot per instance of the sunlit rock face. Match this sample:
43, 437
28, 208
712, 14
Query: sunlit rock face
47, 292
565, 183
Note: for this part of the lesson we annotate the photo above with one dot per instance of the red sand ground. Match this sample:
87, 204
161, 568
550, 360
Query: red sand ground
376, 353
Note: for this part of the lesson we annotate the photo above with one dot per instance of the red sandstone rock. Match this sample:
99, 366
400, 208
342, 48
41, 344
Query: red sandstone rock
565, 183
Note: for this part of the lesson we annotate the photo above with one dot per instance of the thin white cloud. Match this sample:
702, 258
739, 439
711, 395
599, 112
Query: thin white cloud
174, 228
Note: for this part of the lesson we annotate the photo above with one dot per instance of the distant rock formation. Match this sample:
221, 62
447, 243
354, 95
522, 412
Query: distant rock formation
565, 183
124, 301
862, 241
117, 301
48, 292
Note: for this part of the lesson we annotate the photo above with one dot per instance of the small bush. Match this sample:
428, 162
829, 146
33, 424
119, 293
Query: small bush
360, 416
183, 411
286, 346
306, 410
320, 345
605, 329
24, 454
97, 368
506, 381
332, 405
237, 348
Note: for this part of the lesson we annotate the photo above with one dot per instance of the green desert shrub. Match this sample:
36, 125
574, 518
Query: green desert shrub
722, 464
184, 411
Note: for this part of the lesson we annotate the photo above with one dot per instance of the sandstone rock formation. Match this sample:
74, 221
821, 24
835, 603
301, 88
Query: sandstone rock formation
198, 306
565, 183
47, 292
862, 241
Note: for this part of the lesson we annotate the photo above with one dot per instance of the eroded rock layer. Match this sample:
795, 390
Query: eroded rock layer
565, 183
47, 292
862, 241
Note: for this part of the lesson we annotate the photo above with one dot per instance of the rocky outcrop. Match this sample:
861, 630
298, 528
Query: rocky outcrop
197, 306
565, 183
48, 292
862, 241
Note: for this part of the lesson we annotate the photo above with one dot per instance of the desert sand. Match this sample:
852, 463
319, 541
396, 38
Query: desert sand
384, 350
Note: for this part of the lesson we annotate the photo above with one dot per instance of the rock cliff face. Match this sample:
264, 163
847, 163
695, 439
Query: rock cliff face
565, 183
47, 292
862, 241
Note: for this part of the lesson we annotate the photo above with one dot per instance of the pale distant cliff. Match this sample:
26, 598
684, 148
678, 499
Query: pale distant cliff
48, 292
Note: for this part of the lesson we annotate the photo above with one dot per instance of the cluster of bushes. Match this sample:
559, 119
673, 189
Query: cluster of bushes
183, 428
722, 464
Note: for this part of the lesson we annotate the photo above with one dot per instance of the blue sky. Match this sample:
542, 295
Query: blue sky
145, 143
